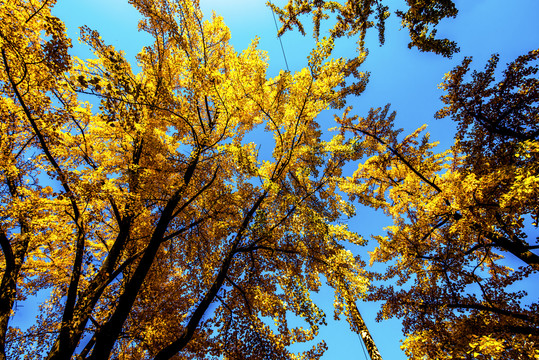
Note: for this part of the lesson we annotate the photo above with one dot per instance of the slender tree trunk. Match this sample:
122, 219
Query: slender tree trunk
14, 255
361, 327
366, 335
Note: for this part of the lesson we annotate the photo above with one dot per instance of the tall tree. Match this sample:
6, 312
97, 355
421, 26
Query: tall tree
461, 244
158, 229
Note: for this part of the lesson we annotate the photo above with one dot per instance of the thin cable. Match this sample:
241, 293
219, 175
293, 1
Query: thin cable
280, 41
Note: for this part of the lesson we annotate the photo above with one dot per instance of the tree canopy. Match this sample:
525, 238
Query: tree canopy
140, 201
150, 217
462, 218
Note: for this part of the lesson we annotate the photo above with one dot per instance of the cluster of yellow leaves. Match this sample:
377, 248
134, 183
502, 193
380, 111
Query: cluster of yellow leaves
425, 344
525, 184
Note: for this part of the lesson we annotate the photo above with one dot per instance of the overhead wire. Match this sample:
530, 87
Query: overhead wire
287, 68
280, 40
363, 347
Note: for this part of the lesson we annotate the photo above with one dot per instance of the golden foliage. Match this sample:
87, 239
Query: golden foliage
458, 252
153, 222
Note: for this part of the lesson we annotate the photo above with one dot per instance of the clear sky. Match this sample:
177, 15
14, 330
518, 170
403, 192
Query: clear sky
405, 78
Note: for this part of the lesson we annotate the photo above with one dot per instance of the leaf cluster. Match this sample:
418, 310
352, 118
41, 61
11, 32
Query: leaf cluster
351, 18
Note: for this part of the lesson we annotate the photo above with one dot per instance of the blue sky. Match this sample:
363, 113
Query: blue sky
405, 78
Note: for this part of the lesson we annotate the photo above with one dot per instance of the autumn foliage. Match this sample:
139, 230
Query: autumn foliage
148, 214
142, 205
459, 251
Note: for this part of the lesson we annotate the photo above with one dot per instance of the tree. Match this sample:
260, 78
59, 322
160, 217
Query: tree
157, 228
459, 250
